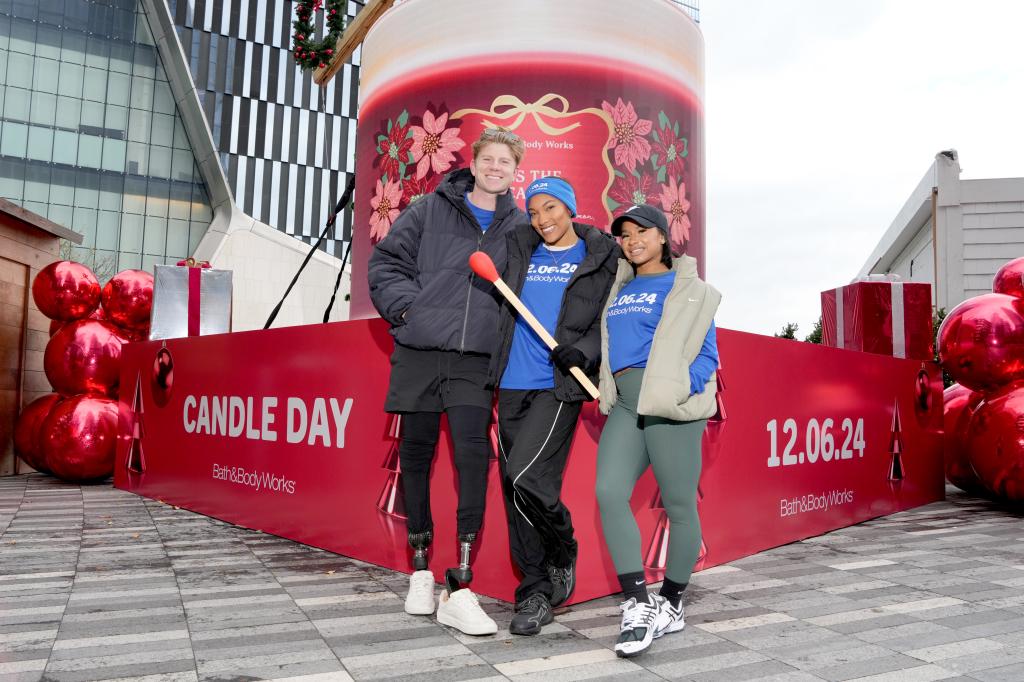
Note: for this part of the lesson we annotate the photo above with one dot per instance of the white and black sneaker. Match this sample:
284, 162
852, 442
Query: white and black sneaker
639, 625
670, 618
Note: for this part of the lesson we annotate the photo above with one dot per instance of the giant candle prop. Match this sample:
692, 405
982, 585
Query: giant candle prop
605, 94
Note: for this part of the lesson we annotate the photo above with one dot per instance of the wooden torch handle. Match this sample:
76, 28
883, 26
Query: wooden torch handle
535, 324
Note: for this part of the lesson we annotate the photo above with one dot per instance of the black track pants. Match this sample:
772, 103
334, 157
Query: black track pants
535, 432
472, 454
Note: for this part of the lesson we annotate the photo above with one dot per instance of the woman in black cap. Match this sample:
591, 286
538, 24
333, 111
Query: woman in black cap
657, 385
562, 270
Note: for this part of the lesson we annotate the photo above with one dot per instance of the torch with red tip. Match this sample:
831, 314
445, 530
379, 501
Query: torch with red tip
483, 266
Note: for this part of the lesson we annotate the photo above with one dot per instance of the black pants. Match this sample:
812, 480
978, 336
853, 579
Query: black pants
468, 425
535, 432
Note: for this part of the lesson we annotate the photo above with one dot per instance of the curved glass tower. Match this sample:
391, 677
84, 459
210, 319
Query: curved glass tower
90, 136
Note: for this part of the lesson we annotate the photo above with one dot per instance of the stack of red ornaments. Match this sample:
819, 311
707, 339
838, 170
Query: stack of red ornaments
981, 345
72, 433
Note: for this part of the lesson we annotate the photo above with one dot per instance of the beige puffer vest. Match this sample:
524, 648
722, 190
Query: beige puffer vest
686, 317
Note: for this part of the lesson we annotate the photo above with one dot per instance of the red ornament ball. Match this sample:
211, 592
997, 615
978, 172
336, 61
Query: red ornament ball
128, 298
28, 429
140, 333
927, 389
79, 439
84, 357
162, 376
94, 315
65, 291
995, 443
958, 408
981, 341
1009, 279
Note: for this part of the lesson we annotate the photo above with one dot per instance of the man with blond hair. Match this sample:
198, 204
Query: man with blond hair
444, 321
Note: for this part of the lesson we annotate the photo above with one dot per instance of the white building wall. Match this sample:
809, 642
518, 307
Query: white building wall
953, 233
993, 229
916, 263
263, 261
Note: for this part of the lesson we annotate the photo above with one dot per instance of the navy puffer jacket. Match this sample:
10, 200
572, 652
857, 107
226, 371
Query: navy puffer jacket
421, 268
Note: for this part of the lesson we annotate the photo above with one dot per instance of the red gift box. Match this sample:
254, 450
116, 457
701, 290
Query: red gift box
886, 317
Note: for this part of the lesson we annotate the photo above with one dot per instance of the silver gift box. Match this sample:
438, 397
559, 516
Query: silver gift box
170, 302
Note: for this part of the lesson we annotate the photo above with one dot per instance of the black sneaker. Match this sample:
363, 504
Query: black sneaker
531, 613
563, 582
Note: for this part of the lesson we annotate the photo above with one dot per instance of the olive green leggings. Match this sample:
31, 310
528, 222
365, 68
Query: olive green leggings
629, 444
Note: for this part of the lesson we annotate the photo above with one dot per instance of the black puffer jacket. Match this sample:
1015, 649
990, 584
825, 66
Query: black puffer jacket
422, 269
579, 318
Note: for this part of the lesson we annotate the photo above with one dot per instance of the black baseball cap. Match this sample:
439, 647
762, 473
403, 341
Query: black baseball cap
644, 215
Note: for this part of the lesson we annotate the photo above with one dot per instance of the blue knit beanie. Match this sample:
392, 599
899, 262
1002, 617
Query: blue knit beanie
555, 187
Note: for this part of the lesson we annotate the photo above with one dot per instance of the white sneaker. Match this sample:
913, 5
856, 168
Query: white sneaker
638, 627
420, 600
462, 611
669, 619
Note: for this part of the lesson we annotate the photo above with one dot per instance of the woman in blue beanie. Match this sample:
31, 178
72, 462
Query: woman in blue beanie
562, 270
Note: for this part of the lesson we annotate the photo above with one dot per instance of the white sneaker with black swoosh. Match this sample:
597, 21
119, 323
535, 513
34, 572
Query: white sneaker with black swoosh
670, 618
639, 621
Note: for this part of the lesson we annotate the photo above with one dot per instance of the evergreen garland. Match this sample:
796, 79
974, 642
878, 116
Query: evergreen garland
310, 53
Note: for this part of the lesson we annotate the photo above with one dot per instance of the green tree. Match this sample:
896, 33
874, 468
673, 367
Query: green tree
815, 335
788, 332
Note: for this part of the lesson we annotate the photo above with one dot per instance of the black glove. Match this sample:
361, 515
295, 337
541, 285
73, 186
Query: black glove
565, 357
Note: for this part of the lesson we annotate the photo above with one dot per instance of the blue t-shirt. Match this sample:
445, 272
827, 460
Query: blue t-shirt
632, 320
633, 317
529, 361
485, 218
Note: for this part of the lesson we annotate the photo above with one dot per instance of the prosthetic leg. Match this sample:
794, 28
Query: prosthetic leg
420, 599
458, 578
458, 607
420, 543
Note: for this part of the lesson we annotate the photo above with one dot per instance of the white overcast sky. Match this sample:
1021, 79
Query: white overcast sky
822, 117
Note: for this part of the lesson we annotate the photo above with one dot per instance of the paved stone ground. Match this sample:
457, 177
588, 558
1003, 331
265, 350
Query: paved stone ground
98, 584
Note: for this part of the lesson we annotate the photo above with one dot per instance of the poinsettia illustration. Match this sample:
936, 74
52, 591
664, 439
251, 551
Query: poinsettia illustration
385, 205
414, 189
669, 149
630, 190
394, 147
675, 205
631, 148
433, 144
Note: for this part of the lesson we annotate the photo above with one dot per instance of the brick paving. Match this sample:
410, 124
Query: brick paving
99, 584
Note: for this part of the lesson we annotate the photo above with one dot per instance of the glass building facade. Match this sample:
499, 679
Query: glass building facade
90, 136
